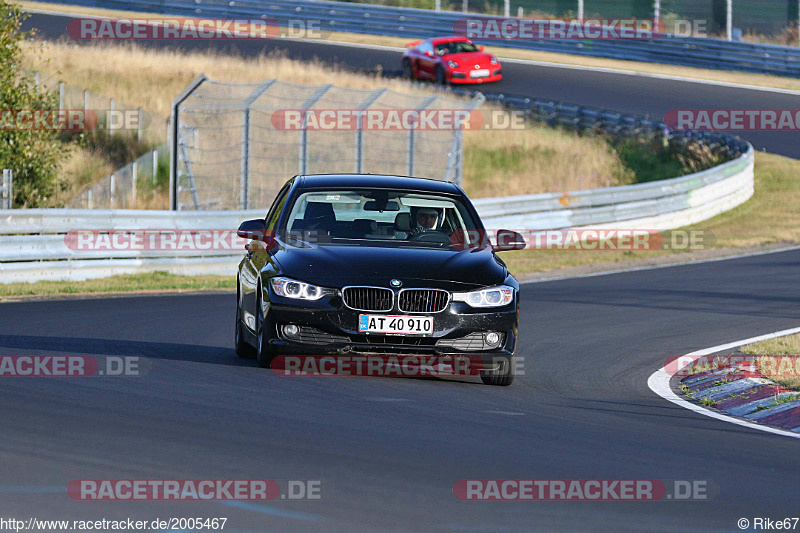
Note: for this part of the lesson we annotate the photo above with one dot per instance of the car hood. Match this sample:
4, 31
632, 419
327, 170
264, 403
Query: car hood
470, 59
338, 266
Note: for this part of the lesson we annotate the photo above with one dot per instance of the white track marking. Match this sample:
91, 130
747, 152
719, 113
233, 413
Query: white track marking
659, 383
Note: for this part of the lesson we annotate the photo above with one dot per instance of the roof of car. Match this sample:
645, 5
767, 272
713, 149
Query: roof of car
318, 181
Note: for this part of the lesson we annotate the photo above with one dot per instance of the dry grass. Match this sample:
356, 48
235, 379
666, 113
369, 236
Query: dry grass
783, 370
537, 159
503, 163
769, 218
568, 59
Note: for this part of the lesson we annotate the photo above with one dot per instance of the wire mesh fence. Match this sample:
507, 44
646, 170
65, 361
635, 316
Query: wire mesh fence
235, 144
136, 185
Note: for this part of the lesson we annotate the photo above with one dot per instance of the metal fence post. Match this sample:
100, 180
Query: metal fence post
89, 198
155, 165
437, 5
172, 138
85, 103
303, 155
657, 10
455, 163
111, 190
133, 185
507, 8
139, 126
6, 189
60, 96
359, 148
580, 9
244, 179
36, 79
411, 148
729, 20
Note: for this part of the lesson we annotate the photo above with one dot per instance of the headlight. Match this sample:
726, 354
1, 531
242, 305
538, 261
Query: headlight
492, 297
289, 288
494, 60
452, 64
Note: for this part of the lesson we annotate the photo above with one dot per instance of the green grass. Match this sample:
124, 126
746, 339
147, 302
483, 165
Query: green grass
128, 283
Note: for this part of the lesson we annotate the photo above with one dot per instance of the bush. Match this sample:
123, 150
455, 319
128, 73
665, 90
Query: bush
33, 155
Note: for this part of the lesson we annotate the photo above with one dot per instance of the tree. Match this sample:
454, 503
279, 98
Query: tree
33, 154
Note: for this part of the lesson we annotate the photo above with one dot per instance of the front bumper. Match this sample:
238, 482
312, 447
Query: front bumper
463, 77
342, 337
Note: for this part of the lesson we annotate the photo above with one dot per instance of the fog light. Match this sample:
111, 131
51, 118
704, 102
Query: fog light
492, 339
291, 330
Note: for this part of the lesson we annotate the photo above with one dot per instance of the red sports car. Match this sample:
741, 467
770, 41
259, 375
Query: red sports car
450, 60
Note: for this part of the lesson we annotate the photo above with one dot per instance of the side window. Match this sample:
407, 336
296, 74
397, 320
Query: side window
426, 47
275, 210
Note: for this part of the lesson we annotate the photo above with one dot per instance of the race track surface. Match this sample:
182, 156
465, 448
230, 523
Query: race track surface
388, 451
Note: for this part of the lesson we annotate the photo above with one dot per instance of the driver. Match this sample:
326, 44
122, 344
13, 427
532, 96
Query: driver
427, 220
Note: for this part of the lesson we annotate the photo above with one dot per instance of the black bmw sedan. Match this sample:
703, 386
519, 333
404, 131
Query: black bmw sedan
366, 264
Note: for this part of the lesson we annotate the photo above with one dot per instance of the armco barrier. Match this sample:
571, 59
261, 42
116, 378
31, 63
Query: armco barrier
33, 246
423, 23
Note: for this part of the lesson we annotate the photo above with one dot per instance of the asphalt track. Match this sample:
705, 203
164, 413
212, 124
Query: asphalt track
387, 450
621, 92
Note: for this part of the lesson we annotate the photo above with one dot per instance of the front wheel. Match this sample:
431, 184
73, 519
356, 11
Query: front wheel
441, 77
243, 349
263, 336
504, 375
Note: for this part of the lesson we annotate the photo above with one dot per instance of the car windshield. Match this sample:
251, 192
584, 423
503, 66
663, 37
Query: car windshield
456, 47
382, 217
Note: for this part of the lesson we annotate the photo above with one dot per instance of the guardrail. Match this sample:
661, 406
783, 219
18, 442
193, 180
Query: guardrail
35, 244
423, 23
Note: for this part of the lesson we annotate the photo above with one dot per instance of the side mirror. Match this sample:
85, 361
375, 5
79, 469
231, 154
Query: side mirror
256, 230
509, 240
429, 53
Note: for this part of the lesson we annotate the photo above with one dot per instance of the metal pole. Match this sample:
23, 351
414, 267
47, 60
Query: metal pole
507, 8
438, 5
520, 12
139, 126
6, 191
464, 6
133, 187
89, 199
412, 139
36, 79
155, 166
729, 20
359, 148
85, 103
244, 178
172, 139
111, 190
303, 153
657, 9
60, 96
580, 9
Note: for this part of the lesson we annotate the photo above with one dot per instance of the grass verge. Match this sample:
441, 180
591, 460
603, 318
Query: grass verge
511, 53
122, 284
784, 371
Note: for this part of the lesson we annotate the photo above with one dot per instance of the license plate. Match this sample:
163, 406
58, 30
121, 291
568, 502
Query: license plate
398, 325
479, 73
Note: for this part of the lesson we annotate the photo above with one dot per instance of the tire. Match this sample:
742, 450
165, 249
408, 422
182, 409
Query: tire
408, 72
243, 349
263, 332
504, 376
441, 77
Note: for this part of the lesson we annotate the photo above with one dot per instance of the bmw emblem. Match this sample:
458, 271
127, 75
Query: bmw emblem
396, 283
